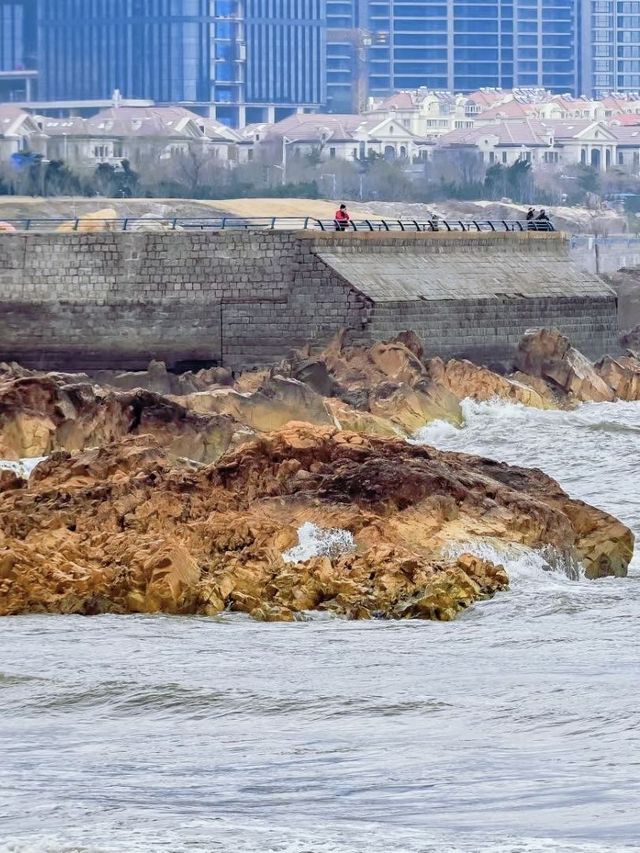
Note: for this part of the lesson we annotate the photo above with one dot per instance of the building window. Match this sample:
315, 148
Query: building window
504, 156
332, 153
620, 158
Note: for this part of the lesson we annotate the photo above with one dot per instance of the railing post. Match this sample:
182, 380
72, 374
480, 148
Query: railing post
76, 225
124, 224
28, 225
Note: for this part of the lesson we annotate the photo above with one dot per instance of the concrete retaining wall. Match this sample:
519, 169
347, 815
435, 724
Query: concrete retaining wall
118, 299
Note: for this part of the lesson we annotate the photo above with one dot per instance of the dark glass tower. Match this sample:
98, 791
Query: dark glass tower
17, 48
230, 54
462, 45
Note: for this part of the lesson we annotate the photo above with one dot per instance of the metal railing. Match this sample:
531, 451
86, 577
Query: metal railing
270, 223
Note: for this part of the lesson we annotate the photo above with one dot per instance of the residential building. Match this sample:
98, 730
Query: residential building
338, 137
19, 131
547, 142
17, 49
425, 113
462, 45
238, 60
142, 135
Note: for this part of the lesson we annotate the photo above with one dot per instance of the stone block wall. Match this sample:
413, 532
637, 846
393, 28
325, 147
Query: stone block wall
116, 300
488, 331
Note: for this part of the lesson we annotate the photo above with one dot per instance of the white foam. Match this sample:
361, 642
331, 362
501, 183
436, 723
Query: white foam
22, 467
525, 566
314, 541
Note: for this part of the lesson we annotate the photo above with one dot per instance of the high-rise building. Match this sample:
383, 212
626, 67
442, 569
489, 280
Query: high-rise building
17, 49
463, 45
237, 59
610, 46
346, 55
285, 53
546, 45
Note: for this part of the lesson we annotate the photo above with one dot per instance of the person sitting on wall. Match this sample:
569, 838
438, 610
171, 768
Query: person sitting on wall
342, 218
543, 223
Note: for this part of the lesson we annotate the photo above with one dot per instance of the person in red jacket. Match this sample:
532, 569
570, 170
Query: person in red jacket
342, 218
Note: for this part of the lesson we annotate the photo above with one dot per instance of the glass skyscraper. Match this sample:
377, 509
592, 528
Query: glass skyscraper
610, 46
344, 34
17, 46
463, 45
230, 55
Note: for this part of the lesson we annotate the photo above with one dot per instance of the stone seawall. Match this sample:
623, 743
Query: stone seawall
246, 298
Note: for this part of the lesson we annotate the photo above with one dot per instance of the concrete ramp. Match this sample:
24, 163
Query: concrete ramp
391, 277
474, 295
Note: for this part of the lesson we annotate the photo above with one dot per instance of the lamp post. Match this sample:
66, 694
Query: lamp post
285, 142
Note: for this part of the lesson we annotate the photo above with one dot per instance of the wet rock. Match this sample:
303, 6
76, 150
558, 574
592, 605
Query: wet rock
622, 374
127, 528
42, 413
465, 379
548, 354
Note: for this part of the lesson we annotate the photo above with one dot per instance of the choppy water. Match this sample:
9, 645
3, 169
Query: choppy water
514, 729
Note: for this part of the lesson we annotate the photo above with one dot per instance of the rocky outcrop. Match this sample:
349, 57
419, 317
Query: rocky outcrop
126, 528
41, 413
622, 375
465, 379
278, 401
547, 354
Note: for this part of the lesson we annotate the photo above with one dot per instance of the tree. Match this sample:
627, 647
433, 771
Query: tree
60, 180
495, 181
519, 180
103, 178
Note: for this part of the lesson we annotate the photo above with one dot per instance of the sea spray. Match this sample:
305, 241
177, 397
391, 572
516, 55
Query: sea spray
314, 541
22, 467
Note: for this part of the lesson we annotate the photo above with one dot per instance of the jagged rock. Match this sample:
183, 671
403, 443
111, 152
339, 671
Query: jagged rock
42, 413
622, 374
465, 379
126, 528
548, 354
365, 423
411, 408
278, 402
10, 479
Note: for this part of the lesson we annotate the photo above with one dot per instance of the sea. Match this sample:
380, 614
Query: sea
515, 729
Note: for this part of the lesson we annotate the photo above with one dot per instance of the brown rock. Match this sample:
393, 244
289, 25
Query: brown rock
548, 354
465, 379
622, 374
126, 528
41, 413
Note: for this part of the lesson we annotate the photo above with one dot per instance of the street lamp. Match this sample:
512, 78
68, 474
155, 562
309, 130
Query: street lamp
285, 142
